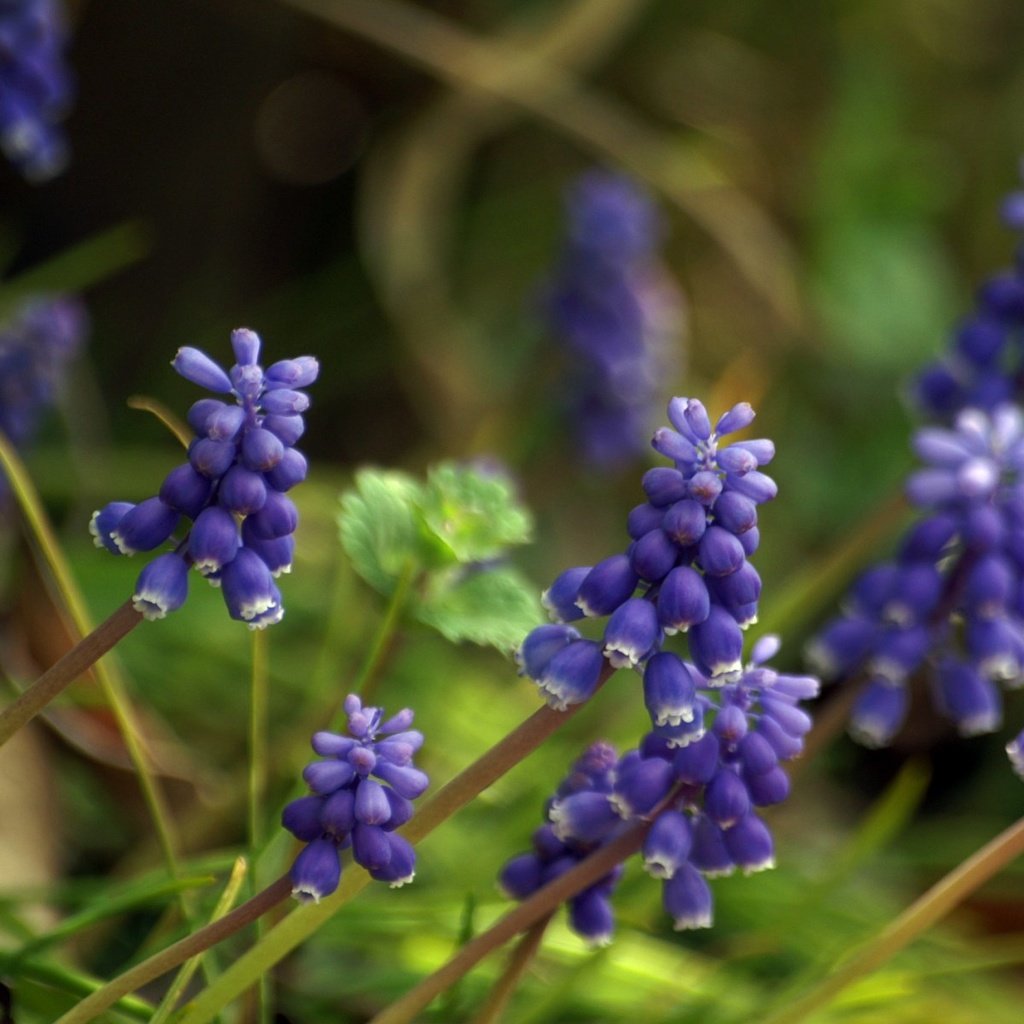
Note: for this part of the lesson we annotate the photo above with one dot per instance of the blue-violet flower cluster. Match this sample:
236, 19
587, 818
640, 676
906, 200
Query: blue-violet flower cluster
618, 313
35, 86
952, 599
954, 595
232, 489
362, 791
36, 347
713, 757
686, 570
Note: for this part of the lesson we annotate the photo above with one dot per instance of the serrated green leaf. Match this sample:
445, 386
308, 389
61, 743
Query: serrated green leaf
378, 523
496, 607
474, 516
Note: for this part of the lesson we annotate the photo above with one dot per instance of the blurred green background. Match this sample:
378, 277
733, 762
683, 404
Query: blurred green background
381, 185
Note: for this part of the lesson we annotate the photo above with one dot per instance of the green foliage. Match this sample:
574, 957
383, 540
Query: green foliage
444, 534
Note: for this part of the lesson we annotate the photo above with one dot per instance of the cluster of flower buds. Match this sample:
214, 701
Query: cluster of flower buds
713, 757
955, 594
984, 366
618, 313
350, 807
562, 843
36, 346
232, 489
35, 86
689, 561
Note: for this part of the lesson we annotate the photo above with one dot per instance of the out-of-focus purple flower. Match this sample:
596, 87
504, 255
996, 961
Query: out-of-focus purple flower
362, 791
231, 489
953, 597
35, 86
37, 345
617, 312
686, 570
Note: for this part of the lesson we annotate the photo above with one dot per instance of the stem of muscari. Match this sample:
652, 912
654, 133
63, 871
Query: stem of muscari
258, 698
938, 901
52, 683
518, 963
304, 921
532, 910
366, 682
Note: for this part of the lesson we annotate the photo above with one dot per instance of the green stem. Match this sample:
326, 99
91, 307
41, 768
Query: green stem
258, 782
366, 682
258, 737
188, 968
518, 963
177, 953
938, 901
533, 909
52, 683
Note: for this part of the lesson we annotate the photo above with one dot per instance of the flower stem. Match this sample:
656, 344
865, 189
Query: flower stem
366, 681
938, 901
177, 953
60, 675
258, 698
518, 963
537, 907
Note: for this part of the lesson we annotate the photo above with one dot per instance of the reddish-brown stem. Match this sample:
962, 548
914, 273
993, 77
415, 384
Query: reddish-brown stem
60, 675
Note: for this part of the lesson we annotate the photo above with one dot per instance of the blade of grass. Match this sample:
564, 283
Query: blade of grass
188, 968
935, 904
82, 265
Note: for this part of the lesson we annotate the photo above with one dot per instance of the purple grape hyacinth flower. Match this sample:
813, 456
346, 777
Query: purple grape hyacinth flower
35, 86
983, 366
362, 792
712, 759
617, 312
953, 599
686, 570
231, 489
36, 347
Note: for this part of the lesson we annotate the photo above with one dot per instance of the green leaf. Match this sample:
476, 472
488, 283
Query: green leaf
473, 516
378, 525
496, 607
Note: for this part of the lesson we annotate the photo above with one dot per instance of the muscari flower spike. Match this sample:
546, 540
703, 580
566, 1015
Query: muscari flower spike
952, 599
983, 366
35, 86
36, 347
712, 759
686, 570
362, 791
231, 492
951, 602
617, 311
